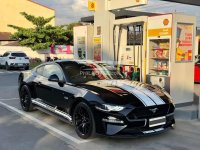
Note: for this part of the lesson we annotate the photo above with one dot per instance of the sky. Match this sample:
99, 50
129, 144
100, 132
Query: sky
68, 11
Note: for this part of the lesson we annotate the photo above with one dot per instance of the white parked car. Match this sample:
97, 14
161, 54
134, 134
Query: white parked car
13, 59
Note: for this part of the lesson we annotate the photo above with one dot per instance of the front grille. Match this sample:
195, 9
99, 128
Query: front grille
146, 112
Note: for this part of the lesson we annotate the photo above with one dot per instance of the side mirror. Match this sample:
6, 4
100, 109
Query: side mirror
53, 78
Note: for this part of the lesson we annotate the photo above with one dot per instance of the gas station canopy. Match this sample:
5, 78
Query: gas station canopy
121, 14
190, 2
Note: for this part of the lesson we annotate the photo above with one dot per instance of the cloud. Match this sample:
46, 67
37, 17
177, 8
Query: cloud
67, 11
79, 5
72, 10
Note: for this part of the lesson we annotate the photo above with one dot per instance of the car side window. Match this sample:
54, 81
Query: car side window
40, 70
52, 69
5, 54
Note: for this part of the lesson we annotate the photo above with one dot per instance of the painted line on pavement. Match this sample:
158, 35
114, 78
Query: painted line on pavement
9, 72
8, 99
56, 132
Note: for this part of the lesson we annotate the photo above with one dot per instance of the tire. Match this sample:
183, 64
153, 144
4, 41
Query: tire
7, 66
25, 99
83, 121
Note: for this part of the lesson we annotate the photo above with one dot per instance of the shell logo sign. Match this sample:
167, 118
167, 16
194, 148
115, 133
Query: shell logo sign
166, 22
160, 25
91, 5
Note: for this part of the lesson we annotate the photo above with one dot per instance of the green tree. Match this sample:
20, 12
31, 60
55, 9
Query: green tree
42, 35
69, 28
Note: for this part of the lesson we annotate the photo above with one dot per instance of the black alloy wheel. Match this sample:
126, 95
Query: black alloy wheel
84, 121
25, 99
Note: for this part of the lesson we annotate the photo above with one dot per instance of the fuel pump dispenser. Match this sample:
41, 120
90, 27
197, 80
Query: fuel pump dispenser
130, 46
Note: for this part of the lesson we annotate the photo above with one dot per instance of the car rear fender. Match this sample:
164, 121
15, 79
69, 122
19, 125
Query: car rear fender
22, 81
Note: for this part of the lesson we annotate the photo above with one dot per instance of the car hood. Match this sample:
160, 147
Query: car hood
125, 92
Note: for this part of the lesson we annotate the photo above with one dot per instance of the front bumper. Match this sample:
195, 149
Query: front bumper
131, 129
123, 126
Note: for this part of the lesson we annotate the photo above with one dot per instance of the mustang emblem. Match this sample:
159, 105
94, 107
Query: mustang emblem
153, 110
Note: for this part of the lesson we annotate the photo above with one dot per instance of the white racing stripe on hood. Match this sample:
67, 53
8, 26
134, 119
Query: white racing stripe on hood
152, 95
140, 95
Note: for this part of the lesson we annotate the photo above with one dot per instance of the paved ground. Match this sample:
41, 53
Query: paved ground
19, 134
37, 130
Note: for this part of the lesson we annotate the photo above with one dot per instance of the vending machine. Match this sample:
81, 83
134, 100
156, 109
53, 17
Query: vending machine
170, 54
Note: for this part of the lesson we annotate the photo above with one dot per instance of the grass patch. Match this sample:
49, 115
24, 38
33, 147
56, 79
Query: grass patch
33, 65
35, 62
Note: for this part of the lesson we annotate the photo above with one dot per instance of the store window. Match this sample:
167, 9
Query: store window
135, 34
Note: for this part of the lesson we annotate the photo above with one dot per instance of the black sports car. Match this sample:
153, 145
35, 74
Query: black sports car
95, 98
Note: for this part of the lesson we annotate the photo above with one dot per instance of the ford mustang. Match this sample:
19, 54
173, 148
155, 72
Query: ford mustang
96, 99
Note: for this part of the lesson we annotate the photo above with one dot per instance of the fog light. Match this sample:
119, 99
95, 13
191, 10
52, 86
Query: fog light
173, 126
111, 119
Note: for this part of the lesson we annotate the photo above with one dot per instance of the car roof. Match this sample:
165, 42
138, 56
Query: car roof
72, 60
14, 52
79, 61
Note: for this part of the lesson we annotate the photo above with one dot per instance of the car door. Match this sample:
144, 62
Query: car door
41, 84
57, 96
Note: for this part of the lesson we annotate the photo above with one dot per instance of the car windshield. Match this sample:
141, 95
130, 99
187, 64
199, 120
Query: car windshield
18, 54
85, 72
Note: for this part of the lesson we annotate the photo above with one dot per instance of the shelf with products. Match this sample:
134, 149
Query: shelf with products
159, 57
160, 72
159, 69
159, 49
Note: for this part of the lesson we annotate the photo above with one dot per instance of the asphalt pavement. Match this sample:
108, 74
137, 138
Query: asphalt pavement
39, 131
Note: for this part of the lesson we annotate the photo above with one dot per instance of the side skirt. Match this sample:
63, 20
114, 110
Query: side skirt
52, 110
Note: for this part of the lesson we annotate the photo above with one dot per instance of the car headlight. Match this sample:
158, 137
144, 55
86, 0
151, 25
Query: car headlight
169, 96
108, 107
